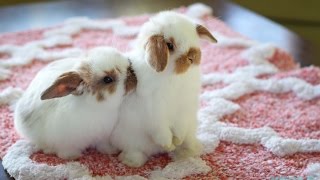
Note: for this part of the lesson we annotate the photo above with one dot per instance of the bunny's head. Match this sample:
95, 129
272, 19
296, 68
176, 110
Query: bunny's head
102, 73
171, 42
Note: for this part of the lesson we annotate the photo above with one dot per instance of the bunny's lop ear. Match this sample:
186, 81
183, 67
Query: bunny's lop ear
157, 52
64, 85
205, 33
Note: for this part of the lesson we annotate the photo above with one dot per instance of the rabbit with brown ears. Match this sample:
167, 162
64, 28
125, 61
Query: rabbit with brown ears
161, 114
73, 103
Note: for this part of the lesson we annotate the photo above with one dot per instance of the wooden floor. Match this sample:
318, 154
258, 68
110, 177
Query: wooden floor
23, 17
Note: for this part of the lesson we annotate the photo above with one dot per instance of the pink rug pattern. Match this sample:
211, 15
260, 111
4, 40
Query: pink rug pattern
285, 113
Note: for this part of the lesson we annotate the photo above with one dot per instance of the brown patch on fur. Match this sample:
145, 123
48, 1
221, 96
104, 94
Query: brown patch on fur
62, 86
158, 52
182, 64
86, 80
131, 80
193, 56
204, 32
96, 84
99, 86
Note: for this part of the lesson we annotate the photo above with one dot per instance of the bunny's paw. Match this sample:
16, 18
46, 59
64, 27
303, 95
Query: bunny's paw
169, 148
176, 141
190, 148
133, 159
164, 139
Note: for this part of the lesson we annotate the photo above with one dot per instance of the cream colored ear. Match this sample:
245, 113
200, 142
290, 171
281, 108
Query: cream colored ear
64, 85
205, 33
157, 52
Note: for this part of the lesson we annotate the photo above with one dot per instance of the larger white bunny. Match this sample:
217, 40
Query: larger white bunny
161, 115
73, 103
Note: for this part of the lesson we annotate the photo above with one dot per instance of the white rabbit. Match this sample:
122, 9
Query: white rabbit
73, 103
162, 113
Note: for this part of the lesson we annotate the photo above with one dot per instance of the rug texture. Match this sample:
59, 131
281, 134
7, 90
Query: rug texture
259, 115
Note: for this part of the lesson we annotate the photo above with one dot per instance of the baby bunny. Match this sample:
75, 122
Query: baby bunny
73, 103
161, 115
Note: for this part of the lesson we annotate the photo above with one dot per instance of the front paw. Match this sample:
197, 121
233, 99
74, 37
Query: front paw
176, 141
189, 149
106, 148
164, 139
133, 159
169, 148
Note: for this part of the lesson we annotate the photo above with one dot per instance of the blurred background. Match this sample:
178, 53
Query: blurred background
299, 16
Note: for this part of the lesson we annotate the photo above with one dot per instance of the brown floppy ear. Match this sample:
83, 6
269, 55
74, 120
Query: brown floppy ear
62, 86
157, 52
205, 33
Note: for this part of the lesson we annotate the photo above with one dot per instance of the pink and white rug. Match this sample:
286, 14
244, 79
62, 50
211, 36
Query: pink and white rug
259, 116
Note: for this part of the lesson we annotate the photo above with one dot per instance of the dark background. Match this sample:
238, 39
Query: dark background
300, 16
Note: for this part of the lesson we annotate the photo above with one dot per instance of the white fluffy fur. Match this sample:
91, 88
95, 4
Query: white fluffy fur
165, 104
69, 124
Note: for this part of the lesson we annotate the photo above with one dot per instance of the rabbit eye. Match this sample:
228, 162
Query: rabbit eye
190, 60
107, 80
170, 46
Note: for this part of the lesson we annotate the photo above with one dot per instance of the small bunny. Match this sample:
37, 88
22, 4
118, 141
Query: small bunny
73, 103
161, 115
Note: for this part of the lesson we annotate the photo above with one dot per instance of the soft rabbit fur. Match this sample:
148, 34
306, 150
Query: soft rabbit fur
73, 103
161, 115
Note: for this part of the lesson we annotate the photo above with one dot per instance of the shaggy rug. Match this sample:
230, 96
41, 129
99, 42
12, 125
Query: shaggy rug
259, 115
